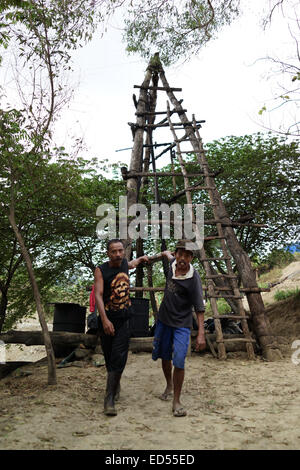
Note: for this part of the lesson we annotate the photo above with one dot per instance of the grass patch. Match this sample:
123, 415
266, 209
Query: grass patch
271, 276
286, 294
223, 308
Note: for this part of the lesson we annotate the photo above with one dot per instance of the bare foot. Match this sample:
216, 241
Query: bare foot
178, 410
168, 393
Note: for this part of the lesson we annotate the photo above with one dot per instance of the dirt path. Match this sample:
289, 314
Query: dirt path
234, 404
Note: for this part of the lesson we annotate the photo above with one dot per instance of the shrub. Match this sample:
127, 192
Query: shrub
285, 294
279, 257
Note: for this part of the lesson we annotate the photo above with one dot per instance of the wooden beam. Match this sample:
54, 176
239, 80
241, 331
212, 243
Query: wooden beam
155, 113
234, 342
160, 88
161, 289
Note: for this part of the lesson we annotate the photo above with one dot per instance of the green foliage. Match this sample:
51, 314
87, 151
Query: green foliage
55, 198
63, 247
51, 194
260, 177
175, 29
286, 294
271, 265
223, 308
278, 258
39, 24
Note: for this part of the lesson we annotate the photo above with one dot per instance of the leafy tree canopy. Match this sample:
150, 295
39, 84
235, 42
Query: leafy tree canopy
259, 182
177, 29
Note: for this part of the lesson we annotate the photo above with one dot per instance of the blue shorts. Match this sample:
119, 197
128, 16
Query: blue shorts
171, 343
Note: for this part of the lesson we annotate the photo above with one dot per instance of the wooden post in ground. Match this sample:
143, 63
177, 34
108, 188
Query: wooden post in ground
46, 337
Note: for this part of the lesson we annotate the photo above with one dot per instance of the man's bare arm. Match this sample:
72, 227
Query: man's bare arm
108, 327
135, 262
168, 254
200, 339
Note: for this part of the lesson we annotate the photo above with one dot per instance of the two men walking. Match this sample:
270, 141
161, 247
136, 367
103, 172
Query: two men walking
183, 292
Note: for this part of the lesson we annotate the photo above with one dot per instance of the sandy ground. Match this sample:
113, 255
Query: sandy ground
233, 404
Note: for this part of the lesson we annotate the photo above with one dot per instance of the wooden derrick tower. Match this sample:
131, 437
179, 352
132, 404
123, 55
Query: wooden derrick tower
184, 139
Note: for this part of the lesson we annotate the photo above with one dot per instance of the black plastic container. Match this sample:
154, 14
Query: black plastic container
69, 317
139, 322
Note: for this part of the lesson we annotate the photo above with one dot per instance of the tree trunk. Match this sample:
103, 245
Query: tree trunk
47, 341
137, 152
3, 307
72, 340
58, 338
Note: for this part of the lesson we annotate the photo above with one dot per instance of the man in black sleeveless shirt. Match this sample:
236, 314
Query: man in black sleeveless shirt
113, 304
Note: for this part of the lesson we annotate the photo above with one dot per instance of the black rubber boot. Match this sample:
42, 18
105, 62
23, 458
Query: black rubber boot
113, 382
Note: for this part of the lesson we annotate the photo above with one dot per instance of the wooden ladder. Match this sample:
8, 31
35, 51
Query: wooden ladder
213, 292
218, 284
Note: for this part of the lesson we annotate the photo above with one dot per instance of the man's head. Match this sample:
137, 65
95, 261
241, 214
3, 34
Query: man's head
183, 255
115, 251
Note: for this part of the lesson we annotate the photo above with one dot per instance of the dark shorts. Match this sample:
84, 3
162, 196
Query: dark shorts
171, 344
115, 348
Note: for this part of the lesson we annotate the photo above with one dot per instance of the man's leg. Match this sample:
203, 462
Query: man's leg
113, 380
118, 359
106, 344
167, 370
178, 378
162, 349
181, 343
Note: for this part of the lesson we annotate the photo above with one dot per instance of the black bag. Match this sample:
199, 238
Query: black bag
92, 321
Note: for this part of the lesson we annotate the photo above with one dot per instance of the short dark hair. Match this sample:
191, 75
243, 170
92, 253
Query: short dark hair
113, 240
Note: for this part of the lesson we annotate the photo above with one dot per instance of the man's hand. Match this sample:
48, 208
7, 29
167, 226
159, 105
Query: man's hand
108, 328
135, 262
168, 254
200, 342
144, 259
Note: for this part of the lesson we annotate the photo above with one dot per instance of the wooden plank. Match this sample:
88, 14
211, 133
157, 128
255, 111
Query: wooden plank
193, 151
166, 124
154, 113
196, 187
227, 276
250, 290
160, 88
225, 296
231, 223
214, 237
30, 338
237, 340
146, 289
161, 289
236, 317
130, 174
